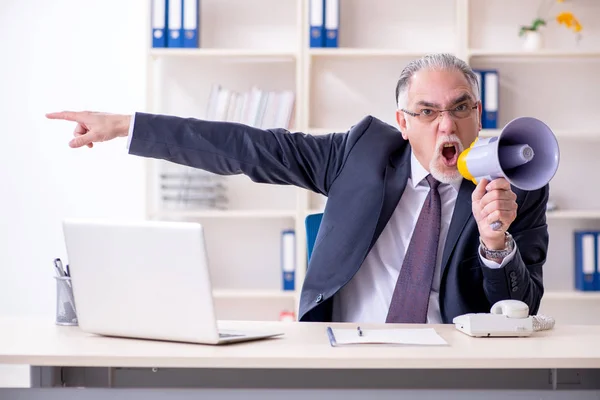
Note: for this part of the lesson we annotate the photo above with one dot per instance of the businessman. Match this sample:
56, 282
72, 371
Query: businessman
404, 238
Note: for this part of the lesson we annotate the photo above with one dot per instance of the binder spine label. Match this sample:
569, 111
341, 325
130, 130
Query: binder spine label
175, 18
316, 19
190, 23
332, 22
159, 23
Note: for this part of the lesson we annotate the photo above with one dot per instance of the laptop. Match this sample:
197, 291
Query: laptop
145, 279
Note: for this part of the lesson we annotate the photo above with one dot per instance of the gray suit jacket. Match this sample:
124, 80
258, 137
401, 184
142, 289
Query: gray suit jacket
363, 172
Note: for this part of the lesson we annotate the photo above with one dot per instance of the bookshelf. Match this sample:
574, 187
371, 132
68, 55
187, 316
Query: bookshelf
335, 87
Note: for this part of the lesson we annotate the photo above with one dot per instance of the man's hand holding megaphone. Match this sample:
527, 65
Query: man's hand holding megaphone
494, 202
525, 155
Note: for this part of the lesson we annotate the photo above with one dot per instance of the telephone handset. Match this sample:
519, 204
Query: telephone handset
506, 318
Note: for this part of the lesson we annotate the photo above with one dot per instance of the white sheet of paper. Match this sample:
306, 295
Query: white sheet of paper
424, 336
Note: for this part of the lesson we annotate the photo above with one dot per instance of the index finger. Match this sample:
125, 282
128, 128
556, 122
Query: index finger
66, 115
479, 191
498, 184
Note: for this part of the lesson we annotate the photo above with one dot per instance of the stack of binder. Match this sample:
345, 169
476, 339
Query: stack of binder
324, 22
175, 23
256, 107
184, 187
587, 260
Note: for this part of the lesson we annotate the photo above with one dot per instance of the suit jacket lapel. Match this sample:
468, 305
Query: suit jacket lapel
462, 213
396, 175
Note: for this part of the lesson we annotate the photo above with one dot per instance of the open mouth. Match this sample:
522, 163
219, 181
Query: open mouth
449, 152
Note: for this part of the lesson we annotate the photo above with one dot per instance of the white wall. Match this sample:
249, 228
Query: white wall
62, 54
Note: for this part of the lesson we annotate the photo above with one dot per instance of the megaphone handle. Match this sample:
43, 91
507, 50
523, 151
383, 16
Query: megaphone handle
496, 225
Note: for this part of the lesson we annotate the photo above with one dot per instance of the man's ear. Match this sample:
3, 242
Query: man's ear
401, 119
479, 113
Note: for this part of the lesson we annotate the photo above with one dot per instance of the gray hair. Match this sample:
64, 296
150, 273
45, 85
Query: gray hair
440, 61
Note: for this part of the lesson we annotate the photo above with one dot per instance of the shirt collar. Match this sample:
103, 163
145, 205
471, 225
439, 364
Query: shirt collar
419, 173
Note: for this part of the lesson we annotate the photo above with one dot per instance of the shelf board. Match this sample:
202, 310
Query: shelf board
254, 294
291, 295
363, 52
314, 211
225, 53
572, 295
192, 214
573, 214
558, 214
538, 53
560, 134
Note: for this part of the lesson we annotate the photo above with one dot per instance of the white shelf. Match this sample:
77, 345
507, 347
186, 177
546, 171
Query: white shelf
314, 211
539, 53
363, 52
254, 294
259, 214
271, 55
572, 295
573, 214
560, 134
559, 214
336, 87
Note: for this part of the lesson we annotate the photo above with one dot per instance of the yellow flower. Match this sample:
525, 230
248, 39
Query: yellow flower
569, 20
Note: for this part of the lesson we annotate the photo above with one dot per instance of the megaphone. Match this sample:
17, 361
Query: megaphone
525, 153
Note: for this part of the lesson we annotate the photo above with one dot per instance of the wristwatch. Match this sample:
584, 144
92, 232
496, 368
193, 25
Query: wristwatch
509, 245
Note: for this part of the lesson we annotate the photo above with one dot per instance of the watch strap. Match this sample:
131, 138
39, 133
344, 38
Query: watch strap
509, 246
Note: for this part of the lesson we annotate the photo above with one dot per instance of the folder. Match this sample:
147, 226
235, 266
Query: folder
478, 74
400, 336
191, 22
586, 260
288, 259
317, 31
159, 23
597, 274
491, 99
175, 23
332, 22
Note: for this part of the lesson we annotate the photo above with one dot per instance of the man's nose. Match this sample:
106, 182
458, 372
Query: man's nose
446, 123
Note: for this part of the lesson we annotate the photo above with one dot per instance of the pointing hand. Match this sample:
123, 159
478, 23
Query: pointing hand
94, 127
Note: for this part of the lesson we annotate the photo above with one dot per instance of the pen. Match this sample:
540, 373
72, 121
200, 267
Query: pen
360, 332
59, 267
68, 271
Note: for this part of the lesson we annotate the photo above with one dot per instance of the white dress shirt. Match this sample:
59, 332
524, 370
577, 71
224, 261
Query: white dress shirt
130, 134
366, 298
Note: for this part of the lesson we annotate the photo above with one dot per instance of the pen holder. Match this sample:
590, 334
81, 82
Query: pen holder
66, 313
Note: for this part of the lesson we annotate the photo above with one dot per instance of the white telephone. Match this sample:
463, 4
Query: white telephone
506, 318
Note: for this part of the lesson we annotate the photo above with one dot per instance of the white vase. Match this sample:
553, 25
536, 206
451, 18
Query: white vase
533, 41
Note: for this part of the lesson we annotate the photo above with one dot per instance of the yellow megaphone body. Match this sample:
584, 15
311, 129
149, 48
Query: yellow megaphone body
525, 153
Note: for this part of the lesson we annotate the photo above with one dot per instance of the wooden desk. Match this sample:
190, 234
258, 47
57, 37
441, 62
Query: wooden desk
303, 359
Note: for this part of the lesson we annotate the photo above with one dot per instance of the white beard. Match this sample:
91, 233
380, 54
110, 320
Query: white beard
437, 168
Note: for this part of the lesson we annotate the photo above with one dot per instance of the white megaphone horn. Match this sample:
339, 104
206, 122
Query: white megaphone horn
525, 153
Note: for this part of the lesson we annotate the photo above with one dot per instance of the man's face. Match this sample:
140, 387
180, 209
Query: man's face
437, 143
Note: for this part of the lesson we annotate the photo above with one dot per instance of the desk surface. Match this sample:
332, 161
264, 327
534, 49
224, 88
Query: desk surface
305, 346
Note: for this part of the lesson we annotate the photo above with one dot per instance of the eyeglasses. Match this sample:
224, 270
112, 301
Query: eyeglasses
461, 111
